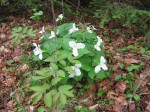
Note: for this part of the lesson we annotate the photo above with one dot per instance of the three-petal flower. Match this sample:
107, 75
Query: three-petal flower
101, 65
42, 31
76, 70
89, 29
52, 35
75, 46
60, 17
73, 29
97, 45
37, 51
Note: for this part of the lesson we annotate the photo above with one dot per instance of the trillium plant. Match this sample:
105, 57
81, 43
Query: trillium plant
67, 55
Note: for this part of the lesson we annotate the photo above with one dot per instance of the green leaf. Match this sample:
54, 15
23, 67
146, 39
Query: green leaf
136, 97
41, 109
101, 75
118, 77
37, 98
92, 74
60, 73
55, 97
43, 71
86, 62
68, 93
36, 89
50, 59
64, 88
30, 31
54, 66
25, 29
64, 29
63, 99
48, 99
62, 55
62, 62
53, 92
55, 80
69, 69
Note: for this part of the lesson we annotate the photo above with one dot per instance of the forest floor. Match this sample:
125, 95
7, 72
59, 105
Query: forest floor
127, 88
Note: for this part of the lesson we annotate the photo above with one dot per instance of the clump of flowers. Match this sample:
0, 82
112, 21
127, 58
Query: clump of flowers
69, 53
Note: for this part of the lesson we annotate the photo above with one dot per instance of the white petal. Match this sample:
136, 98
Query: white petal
97, 68
102, 60
104, 67
57, 32
78, 65
80, 45
89, 30
40, 56
61, 16
72, 44
77, 72
97, 47
35, 44
52, 35
71, 75
36, 52
57, 20
75, 52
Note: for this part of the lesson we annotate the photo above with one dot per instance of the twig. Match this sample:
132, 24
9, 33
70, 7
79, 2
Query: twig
137, 89
53, 12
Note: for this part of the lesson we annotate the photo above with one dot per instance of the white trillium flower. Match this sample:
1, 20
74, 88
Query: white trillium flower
76, 70
60, 17
101, 65
37, 51
42, 31
73, 29
75, 46
52, 35
97, 45
93, 28
89, 30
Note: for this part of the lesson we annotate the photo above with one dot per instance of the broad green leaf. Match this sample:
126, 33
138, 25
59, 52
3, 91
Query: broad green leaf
37, 98
62, 55
55, 80
62, 62
41, 109
36, 89
30, 31
53, 92
101, 75
54, 66
136, 97
48, 99
63, 99
64, 29
52, 45
68, 93
69, 69
92, 74
64, 88
25, 29
50, 59
40, 77
19, 29
86, 62
60, 73
43, 71
55, 97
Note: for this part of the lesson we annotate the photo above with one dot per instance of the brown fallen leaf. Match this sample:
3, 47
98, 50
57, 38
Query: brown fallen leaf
148, 107
132, 61
120, 87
